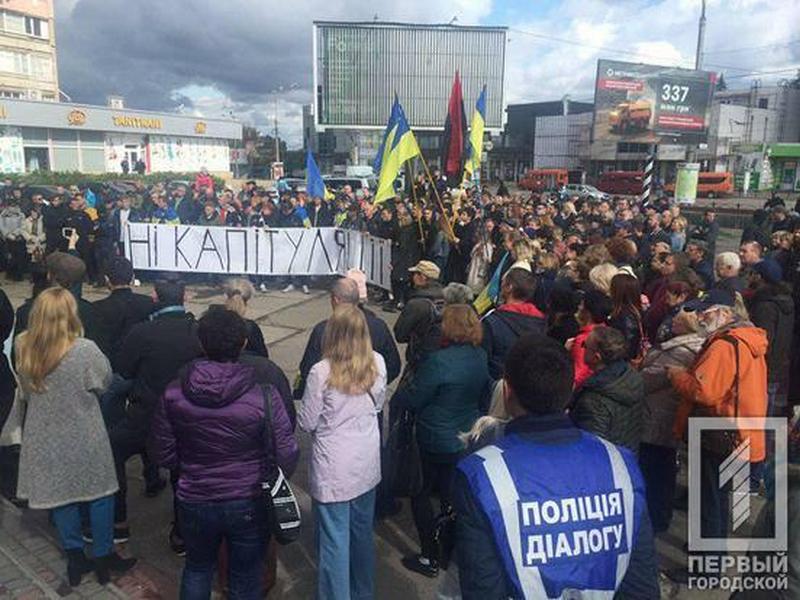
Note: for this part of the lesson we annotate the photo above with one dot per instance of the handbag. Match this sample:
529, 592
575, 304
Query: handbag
283, 511
402, 467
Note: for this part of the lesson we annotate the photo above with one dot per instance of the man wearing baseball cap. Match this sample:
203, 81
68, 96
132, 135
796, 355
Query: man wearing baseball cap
416, 325
727, 379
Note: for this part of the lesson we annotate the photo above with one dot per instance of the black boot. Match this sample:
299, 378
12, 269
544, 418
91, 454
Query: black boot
77, 566
113, 563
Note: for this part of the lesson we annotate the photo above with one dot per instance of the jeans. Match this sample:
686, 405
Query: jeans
243, 526
659, 471
101, 516
437, 475
346, 548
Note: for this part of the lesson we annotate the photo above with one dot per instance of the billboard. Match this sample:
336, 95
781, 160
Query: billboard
358, 68
647, 103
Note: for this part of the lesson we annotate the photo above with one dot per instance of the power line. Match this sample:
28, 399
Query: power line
776, 72
617, 50
748, 48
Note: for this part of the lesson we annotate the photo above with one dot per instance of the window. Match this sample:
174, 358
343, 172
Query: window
10, 94
33, 136
65, 159
13, 23
763, 103
41, 67
37, 27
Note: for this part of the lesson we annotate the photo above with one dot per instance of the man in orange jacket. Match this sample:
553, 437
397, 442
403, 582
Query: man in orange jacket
727, 379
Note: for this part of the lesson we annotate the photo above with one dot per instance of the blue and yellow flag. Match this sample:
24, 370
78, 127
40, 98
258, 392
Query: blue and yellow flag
315, 185
490, 295
475, 146
398, 146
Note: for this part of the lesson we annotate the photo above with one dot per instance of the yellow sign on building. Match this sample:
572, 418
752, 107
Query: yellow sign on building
136, 122
200, 127
76, 117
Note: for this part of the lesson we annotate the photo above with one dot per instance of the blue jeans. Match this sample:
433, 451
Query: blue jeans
101, 516
243, 525
346, 548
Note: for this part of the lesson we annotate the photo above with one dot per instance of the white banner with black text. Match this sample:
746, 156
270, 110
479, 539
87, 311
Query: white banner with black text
258, 251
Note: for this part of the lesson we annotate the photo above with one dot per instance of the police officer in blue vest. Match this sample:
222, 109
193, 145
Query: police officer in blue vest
548, 510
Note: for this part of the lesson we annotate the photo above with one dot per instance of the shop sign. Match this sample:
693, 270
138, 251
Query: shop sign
76, 117
136, 122
200, 127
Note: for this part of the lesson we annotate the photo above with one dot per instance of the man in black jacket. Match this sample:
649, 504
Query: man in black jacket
419, 325
345, 291
516, 316
771, 308
151, 355
707, 231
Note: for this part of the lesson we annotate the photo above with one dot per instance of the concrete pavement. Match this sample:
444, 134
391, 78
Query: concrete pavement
31, 565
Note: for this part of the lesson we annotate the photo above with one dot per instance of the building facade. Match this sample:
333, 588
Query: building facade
514, 150
28, 67
562, 141
358, 68
51, 136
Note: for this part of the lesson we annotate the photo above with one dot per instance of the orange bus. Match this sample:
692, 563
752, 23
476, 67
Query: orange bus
541, 180
709, 184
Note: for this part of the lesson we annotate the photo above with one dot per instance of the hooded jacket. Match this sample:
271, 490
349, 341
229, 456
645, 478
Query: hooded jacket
610, 405
709, 387
503, 327
211, 425
771, 308
661, 401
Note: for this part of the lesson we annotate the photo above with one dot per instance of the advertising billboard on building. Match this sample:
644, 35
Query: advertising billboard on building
648, 104
358, 68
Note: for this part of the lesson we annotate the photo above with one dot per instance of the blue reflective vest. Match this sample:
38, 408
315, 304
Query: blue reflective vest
564, 517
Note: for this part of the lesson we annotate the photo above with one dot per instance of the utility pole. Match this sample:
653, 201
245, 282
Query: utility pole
277, 142
701, 35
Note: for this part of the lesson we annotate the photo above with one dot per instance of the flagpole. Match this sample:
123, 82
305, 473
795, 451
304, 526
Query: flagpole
438, 199
410, 176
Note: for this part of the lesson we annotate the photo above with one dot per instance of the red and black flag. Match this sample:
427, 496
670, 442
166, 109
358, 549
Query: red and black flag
454, 136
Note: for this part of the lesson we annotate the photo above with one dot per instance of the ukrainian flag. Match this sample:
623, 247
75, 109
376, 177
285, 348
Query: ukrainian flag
475, 146
315, 186
398, 146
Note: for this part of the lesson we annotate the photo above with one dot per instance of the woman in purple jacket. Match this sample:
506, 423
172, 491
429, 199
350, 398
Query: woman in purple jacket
210, 425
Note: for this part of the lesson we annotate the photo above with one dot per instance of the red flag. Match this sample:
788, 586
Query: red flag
455, 128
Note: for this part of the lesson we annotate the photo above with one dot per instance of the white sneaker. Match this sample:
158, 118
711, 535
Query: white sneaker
263, 287
136, 283
288, 288
305, 290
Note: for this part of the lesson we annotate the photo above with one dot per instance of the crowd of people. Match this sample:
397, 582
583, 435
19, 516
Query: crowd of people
548, 427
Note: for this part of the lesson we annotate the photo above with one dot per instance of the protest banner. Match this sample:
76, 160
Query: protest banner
257, 251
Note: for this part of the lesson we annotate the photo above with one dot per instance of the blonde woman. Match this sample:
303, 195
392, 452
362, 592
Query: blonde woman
523, 252
66, 458
600, 277
237, 295
677, 236
344, 393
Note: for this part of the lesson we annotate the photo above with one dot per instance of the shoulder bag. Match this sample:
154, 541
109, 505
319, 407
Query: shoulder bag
283, 511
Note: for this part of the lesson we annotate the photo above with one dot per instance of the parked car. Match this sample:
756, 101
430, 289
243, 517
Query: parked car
583, 191
335, 183
291, 184
621, 182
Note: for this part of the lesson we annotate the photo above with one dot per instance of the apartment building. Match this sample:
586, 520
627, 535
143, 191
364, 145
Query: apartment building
28, 68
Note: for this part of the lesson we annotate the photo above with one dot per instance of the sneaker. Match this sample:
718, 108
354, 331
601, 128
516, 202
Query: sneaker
176, 543
305, 290
288, 288
153, 489
420, 564
121, 535
263, 287
136, 283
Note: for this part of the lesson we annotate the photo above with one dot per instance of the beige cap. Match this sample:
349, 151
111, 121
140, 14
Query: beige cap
426, 268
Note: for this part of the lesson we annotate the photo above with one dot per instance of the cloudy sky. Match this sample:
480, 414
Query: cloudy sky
215, 58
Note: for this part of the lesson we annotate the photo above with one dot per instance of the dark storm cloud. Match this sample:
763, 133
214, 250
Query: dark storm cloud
146, 49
